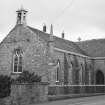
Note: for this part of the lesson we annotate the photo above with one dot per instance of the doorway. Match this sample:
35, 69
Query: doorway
99, 77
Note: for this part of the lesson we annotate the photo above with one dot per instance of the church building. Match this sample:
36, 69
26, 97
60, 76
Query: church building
56, 60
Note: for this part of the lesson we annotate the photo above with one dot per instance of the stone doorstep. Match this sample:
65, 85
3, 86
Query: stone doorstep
61, 97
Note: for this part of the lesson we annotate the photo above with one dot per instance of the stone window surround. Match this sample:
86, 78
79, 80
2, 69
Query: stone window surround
18, 55
57, 71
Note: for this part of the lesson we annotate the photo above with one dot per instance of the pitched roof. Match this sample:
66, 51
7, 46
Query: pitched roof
59, 42
94, 48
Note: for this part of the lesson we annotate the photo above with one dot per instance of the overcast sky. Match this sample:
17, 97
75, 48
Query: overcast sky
78, 18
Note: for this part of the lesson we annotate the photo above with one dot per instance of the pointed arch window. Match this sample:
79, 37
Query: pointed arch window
89, 75
57, 71
81, 74
57, 74
17, 61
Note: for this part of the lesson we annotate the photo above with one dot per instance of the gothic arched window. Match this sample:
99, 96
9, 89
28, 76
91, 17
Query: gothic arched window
89, 74
81, 74
57, 70
17, 61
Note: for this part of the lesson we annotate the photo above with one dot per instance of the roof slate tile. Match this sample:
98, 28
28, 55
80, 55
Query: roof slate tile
59, 42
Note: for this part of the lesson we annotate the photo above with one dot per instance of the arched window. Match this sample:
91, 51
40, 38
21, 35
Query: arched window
20, 63
57, 74
89, 74
57, 70
81, 74
71, 65
100, 80
17, 61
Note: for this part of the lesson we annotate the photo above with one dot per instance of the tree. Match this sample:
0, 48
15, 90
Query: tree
5, 86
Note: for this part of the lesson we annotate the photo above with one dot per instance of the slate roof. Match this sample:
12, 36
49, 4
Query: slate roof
94, 48
59, 42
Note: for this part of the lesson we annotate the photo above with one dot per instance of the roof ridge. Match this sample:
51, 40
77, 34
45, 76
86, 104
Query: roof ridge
90, 40
60, 42
49, 34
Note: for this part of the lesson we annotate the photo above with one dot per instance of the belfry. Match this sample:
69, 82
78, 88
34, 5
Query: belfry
21, 16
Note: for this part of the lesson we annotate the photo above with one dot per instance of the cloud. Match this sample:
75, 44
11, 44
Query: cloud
76, 18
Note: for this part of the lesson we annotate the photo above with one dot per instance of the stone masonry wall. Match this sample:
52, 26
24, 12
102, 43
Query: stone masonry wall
26, 94
33, 47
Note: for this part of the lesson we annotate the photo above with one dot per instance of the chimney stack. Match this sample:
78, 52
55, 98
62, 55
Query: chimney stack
44, 28
63, 35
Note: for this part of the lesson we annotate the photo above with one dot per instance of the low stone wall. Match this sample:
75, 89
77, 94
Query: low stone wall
26, 94
67, 89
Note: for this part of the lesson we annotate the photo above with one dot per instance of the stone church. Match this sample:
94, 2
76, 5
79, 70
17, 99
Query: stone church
56, 60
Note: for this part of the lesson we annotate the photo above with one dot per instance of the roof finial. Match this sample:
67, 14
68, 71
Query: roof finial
51, 33
21, 7
79, 39
51, 30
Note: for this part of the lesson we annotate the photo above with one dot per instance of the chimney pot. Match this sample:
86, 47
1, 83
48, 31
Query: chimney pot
63, 34
44, 28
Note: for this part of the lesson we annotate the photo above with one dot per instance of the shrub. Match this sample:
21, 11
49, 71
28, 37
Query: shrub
5, 86
27, 77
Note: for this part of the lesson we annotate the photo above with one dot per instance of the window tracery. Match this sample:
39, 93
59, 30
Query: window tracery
57, 70
17, 61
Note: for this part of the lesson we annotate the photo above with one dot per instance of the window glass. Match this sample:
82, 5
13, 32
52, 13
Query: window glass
17, 61
20, 64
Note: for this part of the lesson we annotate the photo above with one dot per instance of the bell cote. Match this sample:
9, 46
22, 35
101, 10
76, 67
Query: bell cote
21, 16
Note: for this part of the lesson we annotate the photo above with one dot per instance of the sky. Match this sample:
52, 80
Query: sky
78, 18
